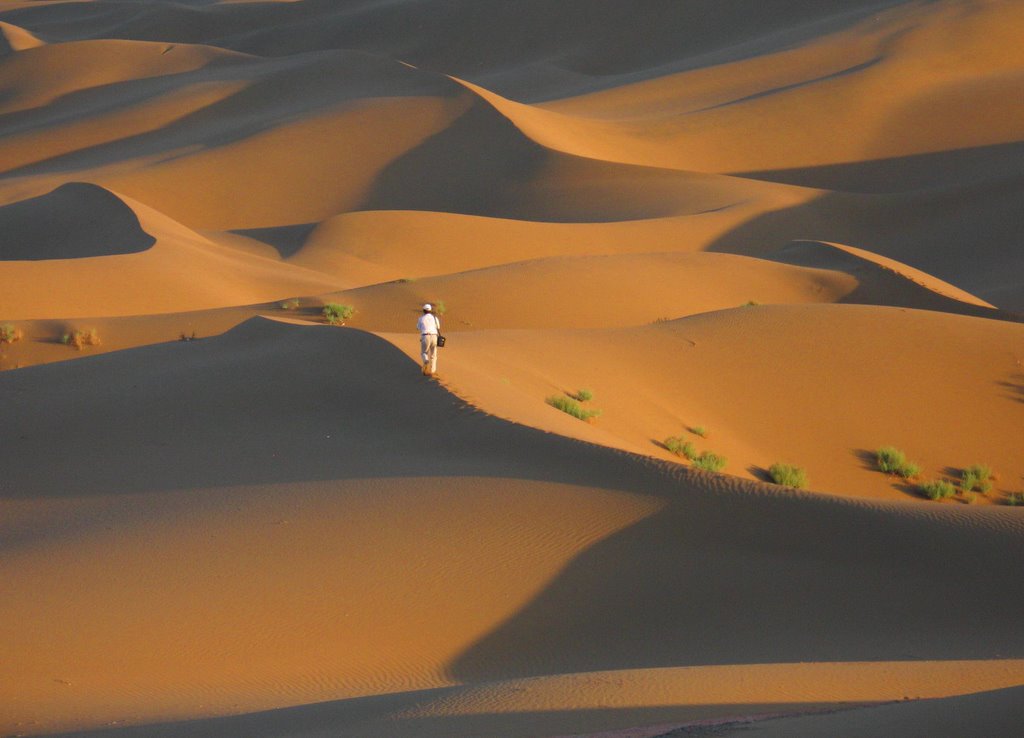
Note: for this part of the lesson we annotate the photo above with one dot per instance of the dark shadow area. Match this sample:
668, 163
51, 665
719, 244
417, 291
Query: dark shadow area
502, 43
466, 168
288, 240
906, 173
878, 284
993, 713
1014, 388
768, 578
909, 489
868, 459
349, 717
484, 165
75, 221
271, 402
787, 88
956, 217
279, 91
760, 473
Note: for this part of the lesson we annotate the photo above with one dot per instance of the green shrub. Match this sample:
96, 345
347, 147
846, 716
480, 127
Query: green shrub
699, 430
583, 395
788, 475
938, 489
9, 334
440, 308
336, 313
681, 447
573, 408
708, 461
1015, 498
893, 461
970, 497
291, 304
79, 338
976, 477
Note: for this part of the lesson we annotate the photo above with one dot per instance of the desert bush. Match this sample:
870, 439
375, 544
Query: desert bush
439, 308
708, 461
788, 475
970, 497
336, 313
938, 489
572, 407
750, 303
291, 304
976, 477
79, 339
893, 461
699, 430
9, 334
681, 447
583, 395
1015, 498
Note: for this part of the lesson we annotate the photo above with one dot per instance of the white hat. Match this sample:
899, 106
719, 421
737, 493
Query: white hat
427, 307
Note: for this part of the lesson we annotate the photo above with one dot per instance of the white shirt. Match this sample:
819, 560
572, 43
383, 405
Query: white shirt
428, 323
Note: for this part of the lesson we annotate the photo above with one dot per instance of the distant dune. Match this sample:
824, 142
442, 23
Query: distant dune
783, 232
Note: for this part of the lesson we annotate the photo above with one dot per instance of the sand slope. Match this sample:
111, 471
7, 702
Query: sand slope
234, 536
796, 224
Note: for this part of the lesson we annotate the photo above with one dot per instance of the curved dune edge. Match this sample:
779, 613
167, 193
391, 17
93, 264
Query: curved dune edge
780, 698
178, 269
231, 519
237, 529
892, 373
911, 276
14, 38
501, 294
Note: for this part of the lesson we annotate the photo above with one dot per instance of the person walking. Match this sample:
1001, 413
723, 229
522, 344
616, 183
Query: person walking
429, 326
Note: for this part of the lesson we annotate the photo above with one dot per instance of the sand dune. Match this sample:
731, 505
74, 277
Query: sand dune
756, 377
796, 224
234, 536
103, 255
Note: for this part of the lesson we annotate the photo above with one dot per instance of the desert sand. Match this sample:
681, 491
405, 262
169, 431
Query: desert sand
783, 232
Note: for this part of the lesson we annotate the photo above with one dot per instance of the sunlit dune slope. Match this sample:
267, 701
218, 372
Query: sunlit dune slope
782, 231
535, 294
915, 80
14, 39
223, 554
820, 386
83, 251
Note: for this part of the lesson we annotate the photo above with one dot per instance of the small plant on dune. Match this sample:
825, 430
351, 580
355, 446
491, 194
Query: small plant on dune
336, 313
1015, 498
699, 430
440, 308
681, 447
711, 462
572, 407
788, 475
9, 334
184, 337
750, 303
79, 339
970, 497
938, 489
291, 304
976, 477
583, 395
893, 461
